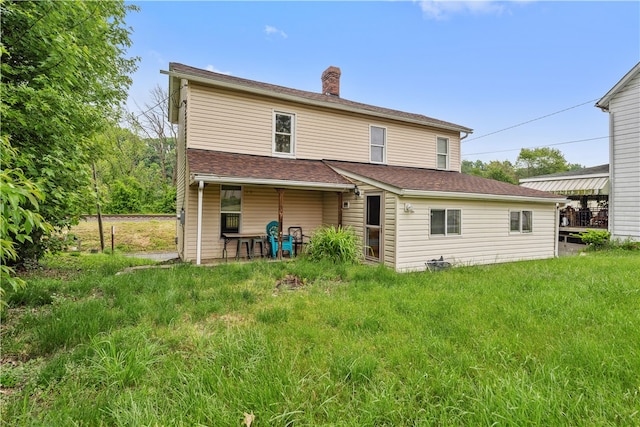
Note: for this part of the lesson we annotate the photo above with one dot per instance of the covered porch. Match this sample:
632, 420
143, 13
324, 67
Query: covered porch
231, 198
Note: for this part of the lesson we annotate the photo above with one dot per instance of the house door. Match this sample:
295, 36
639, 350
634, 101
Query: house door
373, 226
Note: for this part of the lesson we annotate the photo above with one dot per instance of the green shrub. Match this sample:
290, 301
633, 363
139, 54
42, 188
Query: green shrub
596, 239
335, 244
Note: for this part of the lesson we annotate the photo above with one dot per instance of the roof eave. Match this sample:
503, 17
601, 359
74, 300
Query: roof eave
479, 196
279, 183
312, 102
603, 103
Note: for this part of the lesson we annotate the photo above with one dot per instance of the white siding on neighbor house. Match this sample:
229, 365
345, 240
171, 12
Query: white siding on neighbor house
227, 121
485, 236
624, 108
259, 207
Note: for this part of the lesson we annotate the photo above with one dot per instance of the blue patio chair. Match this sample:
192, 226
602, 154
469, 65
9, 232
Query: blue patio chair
272, 234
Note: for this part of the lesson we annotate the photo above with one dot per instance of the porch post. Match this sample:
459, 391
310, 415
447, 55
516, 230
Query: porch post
340, 209
199, 236
280, 218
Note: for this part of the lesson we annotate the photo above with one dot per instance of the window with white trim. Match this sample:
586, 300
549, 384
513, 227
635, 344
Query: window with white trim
521, 221
446, 222
442, 152
230, 208
283, 133
378, 139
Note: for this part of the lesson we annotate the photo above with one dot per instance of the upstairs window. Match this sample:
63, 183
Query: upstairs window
442, 153
446, 222
230, 208
283, 133
378, 138
521, 221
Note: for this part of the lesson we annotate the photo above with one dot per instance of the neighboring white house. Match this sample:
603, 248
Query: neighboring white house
622, 103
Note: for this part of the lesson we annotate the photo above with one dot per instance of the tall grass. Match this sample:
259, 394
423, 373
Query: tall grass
553, 342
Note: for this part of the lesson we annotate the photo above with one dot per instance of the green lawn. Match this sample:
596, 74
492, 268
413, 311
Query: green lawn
544, 343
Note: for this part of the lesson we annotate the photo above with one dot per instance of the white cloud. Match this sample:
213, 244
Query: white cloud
215, 70
269, 30
442, 9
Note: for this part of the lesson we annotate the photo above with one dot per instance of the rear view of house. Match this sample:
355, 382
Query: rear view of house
250, 153
622, 103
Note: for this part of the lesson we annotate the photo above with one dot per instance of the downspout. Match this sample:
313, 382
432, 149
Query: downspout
199, 237
466, 135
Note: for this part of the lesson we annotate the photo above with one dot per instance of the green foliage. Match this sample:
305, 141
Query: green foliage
539, 161
339, 245
596, 239
63, 77
499, 171
130, 174
125, 197
18, 217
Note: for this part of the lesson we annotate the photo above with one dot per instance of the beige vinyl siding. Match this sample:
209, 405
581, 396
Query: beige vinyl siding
390, 222
210, 223
624, 110
182, 172
485, 234
227, 121
330, 207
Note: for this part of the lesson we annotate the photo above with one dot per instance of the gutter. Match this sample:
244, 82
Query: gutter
271, 182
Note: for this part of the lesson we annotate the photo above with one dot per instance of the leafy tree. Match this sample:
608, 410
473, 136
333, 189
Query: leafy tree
18, 217
125, 197
541, 161
499, 171
63, 75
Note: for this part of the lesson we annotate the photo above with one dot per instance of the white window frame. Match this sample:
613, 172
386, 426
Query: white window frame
446, 222
521, 223
439, 154
292, 135
223, 211
384, 144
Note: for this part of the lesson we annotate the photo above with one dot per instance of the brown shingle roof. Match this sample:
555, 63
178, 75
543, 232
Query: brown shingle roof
430, 180
328, 100
252, 168
245, 166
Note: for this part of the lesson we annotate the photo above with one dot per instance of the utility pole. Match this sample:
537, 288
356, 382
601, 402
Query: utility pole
95, 186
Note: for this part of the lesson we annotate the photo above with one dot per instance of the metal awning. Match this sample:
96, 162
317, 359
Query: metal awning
593, 186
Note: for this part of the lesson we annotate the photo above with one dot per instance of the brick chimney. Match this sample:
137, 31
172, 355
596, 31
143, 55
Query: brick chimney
331, 81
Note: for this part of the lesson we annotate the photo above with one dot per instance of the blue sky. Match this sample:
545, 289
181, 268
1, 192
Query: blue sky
481, 64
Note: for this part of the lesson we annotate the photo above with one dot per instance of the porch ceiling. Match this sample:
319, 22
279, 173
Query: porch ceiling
223, 167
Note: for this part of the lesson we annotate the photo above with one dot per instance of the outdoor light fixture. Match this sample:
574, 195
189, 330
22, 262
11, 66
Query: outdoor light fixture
357, 191
408, 207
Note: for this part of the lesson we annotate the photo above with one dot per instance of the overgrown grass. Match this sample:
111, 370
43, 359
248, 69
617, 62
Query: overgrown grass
553, 342
130, 236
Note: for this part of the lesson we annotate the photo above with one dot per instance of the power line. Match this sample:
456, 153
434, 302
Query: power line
532, 120
539, 146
